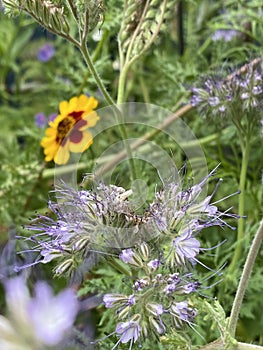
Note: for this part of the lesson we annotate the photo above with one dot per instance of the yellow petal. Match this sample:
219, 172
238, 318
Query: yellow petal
87, 103
91, 118
62, 155
84, 144
63, 107
73, 104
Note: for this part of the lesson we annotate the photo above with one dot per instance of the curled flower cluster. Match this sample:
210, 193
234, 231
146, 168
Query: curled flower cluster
103, 222
241, 92
104, 219
86, 220
159, 299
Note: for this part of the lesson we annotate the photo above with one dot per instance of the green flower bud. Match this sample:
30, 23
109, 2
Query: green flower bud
81, 243
65, 266
144, 251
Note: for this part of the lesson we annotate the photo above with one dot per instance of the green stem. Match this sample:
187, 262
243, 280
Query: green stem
253, 251
92, 69
121, 85
117, 112
94, 57
241, 207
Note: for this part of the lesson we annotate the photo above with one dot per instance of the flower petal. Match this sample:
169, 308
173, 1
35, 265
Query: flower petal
83, 144
62, 155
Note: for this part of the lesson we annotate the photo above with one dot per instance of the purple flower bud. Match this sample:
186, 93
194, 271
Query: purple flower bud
244, 95
190, 287
154, 264
46, 52
110, 300
155, 309
140, 284
222, 109
127, 256
175, 277
170, 288
257, 90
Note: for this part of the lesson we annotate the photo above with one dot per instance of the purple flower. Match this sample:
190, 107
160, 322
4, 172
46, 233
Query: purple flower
130, 331
52, 316
182, 313
213, 101
43, 320
155, 309
127, 256
131, 300
170, 288
40, 120
190, 287
46, 52
154, 264
186, 246
140, 284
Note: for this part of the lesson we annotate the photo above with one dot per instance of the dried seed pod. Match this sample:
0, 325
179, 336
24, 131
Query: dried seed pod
89, 13
141, 24
52, 15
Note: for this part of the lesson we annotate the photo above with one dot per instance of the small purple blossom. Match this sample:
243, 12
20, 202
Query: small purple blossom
213, 101
111, 300
129, 331
155, 309
154, 264
186, 246
182, 312
170, 288
127, 256
189, 288
46, 52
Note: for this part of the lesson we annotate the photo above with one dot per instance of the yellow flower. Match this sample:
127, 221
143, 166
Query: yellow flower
68, 132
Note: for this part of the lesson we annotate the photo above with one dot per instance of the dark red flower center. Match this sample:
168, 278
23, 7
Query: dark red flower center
67, 124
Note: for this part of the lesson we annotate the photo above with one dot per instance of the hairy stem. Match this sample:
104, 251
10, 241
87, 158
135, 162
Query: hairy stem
89, 62
92, 69
241, 206
253, 251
